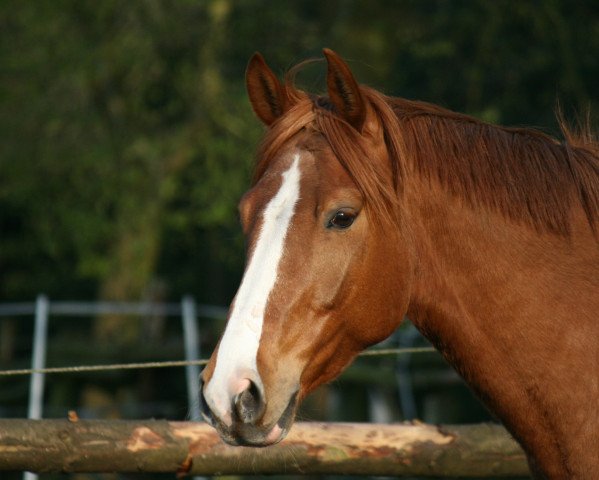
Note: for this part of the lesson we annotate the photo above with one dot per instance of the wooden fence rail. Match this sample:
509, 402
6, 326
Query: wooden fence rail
311, 448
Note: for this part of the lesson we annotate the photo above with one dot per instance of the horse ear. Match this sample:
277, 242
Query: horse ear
344, 91
267, 94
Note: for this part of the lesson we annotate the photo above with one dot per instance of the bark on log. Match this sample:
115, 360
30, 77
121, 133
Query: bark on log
310, 448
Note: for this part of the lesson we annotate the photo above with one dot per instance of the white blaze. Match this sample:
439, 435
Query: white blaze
238, 350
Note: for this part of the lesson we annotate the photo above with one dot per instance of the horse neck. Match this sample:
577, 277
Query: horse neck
476, 262
497, 299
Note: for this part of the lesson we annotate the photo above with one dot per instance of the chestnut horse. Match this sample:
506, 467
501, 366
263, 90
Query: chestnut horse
365, 208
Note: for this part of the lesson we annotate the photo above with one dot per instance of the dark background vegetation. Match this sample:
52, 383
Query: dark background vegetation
127, 139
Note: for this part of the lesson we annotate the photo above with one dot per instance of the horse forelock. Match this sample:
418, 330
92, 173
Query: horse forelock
378, 184
524, 174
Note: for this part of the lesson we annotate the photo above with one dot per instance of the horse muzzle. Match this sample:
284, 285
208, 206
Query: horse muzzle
242, 424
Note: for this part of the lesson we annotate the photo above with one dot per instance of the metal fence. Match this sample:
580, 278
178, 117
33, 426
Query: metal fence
43, 309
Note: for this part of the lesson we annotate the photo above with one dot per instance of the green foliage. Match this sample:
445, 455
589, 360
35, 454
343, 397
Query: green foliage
127, 138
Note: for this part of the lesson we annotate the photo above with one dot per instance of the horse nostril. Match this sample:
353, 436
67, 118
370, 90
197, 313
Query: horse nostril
249, 405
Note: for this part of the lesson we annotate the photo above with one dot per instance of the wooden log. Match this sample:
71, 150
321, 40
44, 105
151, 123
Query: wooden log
311, 448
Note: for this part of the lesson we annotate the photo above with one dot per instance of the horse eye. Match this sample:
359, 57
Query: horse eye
342, 219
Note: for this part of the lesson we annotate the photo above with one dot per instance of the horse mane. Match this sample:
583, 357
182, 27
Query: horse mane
524, 174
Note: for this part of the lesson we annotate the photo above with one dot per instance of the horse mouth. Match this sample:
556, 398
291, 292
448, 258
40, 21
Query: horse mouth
250, 435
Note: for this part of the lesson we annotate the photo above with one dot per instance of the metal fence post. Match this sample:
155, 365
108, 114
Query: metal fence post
407, 401
36, 385
191, 338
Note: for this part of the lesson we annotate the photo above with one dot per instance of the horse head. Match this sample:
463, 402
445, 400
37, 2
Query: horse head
328, 270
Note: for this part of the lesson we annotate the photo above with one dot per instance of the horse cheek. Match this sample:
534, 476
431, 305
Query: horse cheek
382, 292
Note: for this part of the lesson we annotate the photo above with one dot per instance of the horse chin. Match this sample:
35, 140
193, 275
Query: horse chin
247, 435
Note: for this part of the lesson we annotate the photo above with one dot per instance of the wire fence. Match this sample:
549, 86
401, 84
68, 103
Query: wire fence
43, 309
43, 312
183, 363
